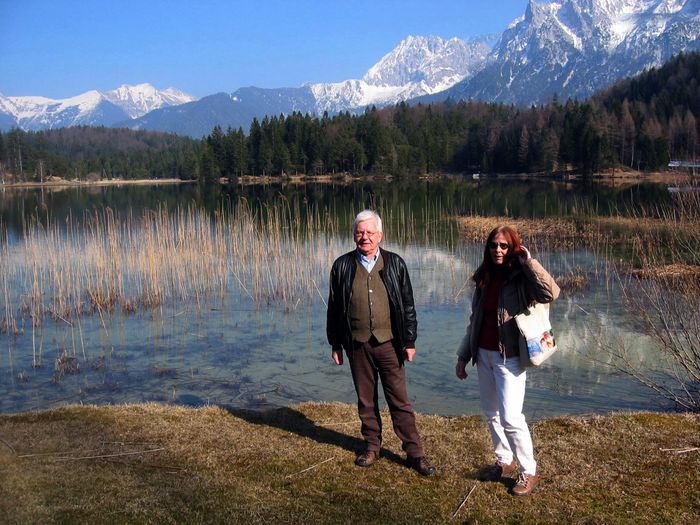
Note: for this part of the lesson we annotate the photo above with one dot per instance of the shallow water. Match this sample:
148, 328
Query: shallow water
234, 352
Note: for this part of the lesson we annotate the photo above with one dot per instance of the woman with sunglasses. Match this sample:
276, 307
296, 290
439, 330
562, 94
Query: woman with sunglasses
507, 278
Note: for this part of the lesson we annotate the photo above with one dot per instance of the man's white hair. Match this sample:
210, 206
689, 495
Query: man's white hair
367, 215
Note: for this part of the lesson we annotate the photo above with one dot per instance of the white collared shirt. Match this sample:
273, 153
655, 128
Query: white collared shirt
368, 263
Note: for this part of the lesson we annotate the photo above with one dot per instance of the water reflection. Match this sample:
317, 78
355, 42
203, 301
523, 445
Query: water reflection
231, 351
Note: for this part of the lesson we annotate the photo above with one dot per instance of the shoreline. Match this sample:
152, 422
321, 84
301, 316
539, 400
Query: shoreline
605, 177
63, 183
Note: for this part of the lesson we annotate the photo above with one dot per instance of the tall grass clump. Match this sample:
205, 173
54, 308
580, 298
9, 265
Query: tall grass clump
102, 262
106, 262
274, 255
8, 321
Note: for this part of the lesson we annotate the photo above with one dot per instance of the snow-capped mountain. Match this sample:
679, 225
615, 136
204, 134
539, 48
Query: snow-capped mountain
36, 113
570, 48
574, 47
93, 108
142, 98
419, 65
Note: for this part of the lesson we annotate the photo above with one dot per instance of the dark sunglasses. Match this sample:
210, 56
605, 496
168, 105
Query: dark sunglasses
503, 245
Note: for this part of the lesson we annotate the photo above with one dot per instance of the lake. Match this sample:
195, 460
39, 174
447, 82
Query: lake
251, 339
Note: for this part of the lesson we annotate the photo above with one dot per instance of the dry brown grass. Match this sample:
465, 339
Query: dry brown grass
574, 281
664, 246
552, 232
155, 463
568, 232
53, 182
107, 262
669, 272
477, 227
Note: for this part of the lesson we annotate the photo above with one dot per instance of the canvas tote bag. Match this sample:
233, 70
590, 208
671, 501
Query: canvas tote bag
535, 326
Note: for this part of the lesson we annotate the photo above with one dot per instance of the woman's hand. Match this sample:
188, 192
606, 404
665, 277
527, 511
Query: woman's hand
524, 254
461, 369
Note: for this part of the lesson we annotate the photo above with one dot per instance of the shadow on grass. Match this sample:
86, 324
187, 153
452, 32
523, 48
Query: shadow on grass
480, 477
291, 420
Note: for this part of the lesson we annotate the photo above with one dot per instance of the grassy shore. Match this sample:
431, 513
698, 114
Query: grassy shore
614, 177
58, 182
153, 463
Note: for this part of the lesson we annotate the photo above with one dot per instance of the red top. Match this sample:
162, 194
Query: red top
488, 337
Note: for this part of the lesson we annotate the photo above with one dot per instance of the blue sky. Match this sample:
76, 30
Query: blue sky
62, 48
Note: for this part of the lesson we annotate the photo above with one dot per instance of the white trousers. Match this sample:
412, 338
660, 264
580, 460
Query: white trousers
502, 392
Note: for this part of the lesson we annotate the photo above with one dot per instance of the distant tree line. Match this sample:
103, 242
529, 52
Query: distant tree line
639, 123
96, 152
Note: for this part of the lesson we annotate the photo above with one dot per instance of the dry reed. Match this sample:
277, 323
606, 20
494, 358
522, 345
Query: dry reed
105, 262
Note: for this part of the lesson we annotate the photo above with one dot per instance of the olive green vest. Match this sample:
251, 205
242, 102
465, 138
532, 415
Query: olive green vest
369, 306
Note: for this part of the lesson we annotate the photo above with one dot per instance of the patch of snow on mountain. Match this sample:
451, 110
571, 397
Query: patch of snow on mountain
140, 99
85, 101
351, 94
573, 47
30, 106
423, 58
575, 39
624, 7
6, 105
669, 6
621, 27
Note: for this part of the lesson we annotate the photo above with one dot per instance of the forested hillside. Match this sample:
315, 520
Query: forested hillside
640, 123
82, 152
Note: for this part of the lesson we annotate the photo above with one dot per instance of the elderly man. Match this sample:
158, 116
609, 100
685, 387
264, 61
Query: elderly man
372, 316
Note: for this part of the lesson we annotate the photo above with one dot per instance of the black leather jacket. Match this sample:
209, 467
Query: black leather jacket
395, 277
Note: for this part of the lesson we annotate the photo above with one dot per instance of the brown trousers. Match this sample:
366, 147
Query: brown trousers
368, 362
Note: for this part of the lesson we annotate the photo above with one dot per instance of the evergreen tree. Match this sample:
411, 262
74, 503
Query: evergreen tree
208, 170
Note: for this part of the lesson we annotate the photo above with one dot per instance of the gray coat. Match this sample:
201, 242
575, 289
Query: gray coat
526, 283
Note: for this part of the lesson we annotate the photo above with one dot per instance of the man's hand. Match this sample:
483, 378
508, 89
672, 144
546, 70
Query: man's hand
410, 352
337, 356
461, 369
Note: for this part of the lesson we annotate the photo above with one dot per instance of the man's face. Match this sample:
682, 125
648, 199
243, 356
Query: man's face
367, 238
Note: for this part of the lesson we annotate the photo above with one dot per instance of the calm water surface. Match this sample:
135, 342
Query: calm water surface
230, 351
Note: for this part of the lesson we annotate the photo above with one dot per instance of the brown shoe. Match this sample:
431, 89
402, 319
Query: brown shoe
496, 471
367, 459
422, 466
526, 484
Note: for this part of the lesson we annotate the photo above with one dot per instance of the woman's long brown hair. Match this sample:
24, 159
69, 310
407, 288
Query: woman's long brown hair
482, 275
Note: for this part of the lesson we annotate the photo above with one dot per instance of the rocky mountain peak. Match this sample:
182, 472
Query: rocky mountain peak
428, 59
574, 47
